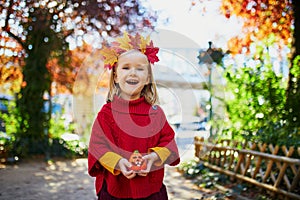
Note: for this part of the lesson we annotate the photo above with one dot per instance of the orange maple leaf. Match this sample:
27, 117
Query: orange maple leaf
110, 55
135, 41
144, 43
125, 42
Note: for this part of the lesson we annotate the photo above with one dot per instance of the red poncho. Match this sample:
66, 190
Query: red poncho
122, 127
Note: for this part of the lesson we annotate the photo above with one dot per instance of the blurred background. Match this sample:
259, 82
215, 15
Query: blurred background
227, 69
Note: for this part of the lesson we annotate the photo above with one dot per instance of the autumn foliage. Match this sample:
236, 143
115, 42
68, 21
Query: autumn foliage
262, 18
10, 66
35, 50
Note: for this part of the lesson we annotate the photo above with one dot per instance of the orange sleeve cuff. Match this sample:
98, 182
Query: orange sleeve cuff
162, 152
109, 161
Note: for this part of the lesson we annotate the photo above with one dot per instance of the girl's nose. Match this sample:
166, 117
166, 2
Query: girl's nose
132, 71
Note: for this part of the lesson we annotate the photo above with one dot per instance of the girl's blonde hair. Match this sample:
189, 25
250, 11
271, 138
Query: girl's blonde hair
149, 91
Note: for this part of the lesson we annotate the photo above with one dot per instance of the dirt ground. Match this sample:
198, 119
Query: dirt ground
68, 179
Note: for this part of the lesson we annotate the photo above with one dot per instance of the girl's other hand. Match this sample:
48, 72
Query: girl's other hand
124, 165
151, 158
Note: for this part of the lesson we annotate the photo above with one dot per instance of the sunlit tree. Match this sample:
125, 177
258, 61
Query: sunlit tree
266, 105
43, 31
279, 19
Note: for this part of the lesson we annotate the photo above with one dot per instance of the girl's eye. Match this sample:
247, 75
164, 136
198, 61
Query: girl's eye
141, 69
125, 67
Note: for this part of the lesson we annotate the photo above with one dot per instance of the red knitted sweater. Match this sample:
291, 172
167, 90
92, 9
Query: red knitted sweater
122, 127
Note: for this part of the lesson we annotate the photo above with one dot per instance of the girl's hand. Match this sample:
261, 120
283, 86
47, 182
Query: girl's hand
124, 165
151, 158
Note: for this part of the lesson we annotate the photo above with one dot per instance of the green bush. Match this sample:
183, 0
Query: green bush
255, 103
53, 144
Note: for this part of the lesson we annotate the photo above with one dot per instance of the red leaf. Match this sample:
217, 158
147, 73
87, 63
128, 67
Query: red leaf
151, 52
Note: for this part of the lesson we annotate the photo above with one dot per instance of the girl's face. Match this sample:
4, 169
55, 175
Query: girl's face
132, 74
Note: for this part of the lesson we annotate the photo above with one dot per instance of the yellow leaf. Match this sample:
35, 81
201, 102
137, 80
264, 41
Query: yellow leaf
110, 55
144, 42
125, 42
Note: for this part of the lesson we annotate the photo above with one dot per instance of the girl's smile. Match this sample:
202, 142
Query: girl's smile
132, 82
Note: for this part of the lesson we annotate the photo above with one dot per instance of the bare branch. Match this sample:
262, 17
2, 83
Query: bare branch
7, 28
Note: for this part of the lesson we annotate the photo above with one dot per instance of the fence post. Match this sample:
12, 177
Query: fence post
198, 147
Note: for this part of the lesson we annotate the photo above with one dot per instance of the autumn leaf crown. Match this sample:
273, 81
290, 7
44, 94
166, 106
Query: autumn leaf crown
126, 43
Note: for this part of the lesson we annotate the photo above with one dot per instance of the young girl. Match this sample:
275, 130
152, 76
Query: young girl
131, 127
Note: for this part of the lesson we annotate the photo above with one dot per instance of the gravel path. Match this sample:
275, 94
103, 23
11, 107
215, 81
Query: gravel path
68, 179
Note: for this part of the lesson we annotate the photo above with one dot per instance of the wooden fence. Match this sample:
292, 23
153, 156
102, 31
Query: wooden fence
258, 164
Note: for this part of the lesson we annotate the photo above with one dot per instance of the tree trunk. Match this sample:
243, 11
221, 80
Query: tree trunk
34, 110
32, 106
